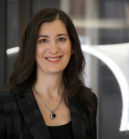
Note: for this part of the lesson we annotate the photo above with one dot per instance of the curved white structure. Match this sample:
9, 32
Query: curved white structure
104, 55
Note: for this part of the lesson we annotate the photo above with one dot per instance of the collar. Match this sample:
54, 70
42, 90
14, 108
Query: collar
31, 114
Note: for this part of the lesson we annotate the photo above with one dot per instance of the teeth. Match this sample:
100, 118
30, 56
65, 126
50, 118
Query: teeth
53, 59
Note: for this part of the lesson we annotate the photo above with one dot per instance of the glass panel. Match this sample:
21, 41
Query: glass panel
104, 84
12, 33
12, 24
39, 4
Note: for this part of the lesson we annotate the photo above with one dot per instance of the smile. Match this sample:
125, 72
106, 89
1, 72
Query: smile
53, 59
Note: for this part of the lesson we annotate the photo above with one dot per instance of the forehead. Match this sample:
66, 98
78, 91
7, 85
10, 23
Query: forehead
56, 26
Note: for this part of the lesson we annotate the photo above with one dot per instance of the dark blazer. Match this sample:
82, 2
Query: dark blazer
20, 117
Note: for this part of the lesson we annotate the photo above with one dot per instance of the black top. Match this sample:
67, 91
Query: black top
61, 132
20, 117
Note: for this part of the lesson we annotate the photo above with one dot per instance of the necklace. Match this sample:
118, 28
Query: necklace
52, 111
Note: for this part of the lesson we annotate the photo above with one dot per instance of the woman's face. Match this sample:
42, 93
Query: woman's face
53, 47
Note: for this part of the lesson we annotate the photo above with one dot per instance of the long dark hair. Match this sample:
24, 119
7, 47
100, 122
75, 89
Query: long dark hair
24, 74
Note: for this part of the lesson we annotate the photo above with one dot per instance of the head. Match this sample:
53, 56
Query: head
25, 69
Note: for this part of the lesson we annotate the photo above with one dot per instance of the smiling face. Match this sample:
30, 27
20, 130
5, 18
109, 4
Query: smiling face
53, 47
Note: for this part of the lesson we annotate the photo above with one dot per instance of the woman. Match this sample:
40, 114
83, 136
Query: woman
46, 96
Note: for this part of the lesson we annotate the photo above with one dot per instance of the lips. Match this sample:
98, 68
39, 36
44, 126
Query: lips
53, 59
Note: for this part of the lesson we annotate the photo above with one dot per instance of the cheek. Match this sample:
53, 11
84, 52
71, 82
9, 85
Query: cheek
40, 51
67, 50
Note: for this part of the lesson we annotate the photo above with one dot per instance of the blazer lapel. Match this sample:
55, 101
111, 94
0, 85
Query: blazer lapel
31, 114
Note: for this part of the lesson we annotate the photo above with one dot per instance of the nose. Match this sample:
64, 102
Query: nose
54, 48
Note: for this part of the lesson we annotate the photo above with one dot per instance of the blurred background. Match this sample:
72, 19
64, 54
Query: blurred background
102, 26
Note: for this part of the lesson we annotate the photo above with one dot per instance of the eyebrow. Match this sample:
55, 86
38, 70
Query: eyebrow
62, 35
45, 36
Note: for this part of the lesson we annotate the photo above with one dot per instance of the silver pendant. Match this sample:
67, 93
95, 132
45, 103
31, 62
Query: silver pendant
52, 115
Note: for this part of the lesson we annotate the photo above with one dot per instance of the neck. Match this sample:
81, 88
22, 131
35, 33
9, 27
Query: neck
49, 85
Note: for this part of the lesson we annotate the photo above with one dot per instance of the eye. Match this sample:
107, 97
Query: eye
42, 41
62, 39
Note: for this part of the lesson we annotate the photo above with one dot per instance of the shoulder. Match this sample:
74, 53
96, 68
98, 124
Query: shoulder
94, 102
6, 93
87, 100
93, 98
90, 101
7, 98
